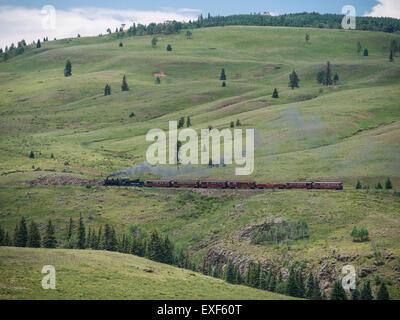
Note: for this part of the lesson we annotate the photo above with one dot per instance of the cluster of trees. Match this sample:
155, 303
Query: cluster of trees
222, 77
279, 232
359, 235
12, 51
324, 77
388, 185
338, 293
238, 124
293, 80
311, 20
181, 122
29, 236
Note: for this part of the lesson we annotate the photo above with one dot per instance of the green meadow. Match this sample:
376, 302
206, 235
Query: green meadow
349, 131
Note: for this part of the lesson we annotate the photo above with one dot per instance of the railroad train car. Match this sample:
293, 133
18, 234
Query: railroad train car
299, 185
159, 183
244, 184
215, 184
328, 185
186, 183
271, 186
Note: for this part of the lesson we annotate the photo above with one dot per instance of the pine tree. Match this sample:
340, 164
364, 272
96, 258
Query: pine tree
181, 122
222, 76
88, 238
355, 294
99, 240
366, 53
310, 286
169, 48
359, 47
154, 249
38, 44
107, 90
275, 94
15, 237
388, 184
68, 69
2, 236
301, 291
383, 293
188, 123
379, 186
232, 124
338, 292
263, 280
253, 275
70, 229
366, 292
328, 75
316, 295
336, 78
291, 285
7, 241
33, 236
158, 80
229, 272
124, 86
321, 77
272, 283
215, 272
31, 155
49, 239
168, 251
121, 44
81, 234
293, 80
223, 84
113, 244
307, 37
22, 235
358, 185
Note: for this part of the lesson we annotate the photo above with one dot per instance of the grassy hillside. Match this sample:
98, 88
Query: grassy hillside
348, 131
107, 275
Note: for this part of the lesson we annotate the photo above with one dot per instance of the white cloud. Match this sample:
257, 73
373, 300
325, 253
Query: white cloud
19, 23
385, 8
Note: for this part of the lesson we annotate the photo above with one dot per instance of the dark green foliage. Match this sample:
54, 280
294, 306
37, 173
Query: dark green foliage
366, 292
359, 47
253, 275
107, 90
291, 284
68, 69
167, 251
355, 294
223, 84
338, 292
388, 184
336, 78
275, 94
358, 185
158, 80
124, 86
169, 48
366, 53
263, 280
293, 80
38, 44
22, 234
223, 75
49, 239
321, 77
328, 75
215, 272
279, 232
379, 186
154, 42
154, 249
272, 283
310, 286
31, 155
232, 124
181, 122
188, 35
391, 56
359, 235
383, 293
121, 44
81, 234
33, 236
301, 290
2, 236
238, 124
230, 273
132, 115
316, 295
188, 123
7, 240
307, 37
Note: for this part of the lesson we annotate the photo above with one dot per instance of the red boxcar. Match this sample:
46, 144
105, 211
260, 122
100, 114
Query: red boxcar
270, 186
185, 183
159, 183
245, 184
299, 185
328, 185
213, 184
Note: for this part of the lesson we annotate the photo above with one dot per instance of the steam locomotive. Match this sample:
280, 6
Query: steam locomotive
223, 184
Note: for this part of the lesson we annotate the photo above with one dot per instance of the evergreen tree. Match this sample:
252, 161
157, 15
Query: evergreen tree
158, 80
238, 124
154, 249
124, 86
379, 186
49, 239
154, 42
355, 294
70, 229
15, 237
391, 56
33, 236
366, 53
22, 235
316, 295
223, 84
275, 94
293, 80
338, 292
301, 291
169, 48
358, 185
388, 184
272, 283
359, 47
168, 251
230, 272
328, 75
215, 272
232, 124
222, 76
107, 90
121, 44
7, 241
310, 286
263, 280
68, 69
113, 244
38, 44
253, 275
336, 78
307, 37
188, 35
238, 276
188, 123
366, 292
383, 293
2, 237
31, 155
81, 234
291, 284
321, 77
181, 122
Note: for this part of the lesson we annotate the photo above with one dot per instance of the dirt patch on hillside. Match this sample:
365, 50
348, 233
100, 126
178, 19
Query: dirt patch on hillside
61, 180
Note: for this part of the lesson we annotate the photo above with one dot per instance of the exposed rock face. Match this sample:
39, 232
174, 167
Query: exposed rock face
246, 233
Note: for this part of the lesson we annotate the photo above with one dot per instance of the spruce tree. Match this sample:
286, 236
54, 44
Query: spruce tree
275, 94
272, 283
223, 75
215, 272
316, 295
169, 48
336, 78
22, 235
391, 56
81, 234
263, 280
15, 236
379, 186
107, 90
124, 86
229, 272
358, 185
355, 294
38, 44
321, 77
291, 285
293, 80
383, 293
328, 75
154, 250
238, 124
366, 53
232, 124
366, 292
388, 184
223, 84
188, 123
49, 239
113, 245
168, 251
7, 241
33, 236
2, 235
338, 292
310, 286
301, 291
68, 69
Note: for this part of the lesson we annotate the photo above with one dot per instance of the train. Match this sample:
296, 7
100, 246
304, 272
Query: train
222, 184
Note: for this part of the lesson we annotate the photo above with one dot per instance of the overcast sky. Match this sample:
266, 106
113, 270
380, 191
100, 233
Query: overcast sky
25, 19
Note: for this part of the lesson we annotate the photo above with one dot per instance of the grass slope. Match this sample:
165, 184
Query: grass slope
108, 275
